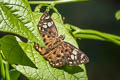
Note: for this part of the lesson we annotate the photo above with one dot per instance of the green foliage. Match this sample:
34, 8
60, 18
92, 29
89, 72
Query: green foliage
14, 74
4, 68
17, 18
13, 52
117, 15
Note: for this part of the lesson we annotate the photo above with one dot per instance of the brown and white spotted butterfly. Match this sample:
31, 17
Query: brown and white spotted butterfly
57, 51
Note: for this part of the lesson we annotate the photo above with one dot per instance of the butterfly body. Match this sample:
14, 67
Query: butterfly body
57, 51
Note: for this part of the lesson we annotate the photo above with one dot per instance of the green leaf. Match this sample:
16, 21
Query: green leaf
44, 71
14, 74
16, 17
13, 52
117, 15
62, 30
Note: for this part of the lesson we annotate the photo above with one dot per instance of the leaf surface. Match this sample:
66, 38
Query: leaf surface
13, 52
117, 15
16, 17
44, 71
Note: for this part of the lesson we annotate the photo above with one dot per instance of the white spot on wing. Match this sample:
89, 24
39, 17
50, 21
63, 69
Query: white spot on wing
44, 26
50, 24
75, 51
70, 62
68, 58
75, 57
81, 61
44, 23
39, 28
72, 57
74, 62
53, 64
82, 55
47, 17
42, 29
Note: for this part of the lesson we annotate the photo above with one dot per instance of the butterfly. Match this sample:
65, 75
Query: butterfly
57, 51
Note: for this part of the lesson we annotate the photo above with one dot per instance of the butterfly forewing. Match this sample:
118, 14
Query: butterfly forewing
47, 25
48, 31
57, 51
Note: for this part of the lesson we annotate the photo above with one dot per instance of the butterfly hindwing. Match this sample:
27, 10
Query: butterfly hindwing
74, 55
66, 54
56, 57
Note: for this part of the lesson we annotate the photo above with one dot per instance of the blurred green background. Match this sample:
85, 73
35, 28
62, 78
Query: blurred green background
99, 15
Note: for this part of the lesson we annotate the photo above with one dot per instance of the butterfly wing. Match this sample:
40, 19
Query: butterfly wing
50, 42
74, 56
48, 31
46, 25
66, 54
58, 52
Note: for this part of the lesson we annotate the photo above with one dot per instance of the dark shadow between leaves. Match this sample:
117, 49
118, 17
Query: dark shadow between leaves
71, 69
2, 34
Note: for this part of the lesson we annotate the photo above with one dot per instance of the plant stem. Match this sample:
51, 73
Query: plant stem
105, 36
7, 71
55, 2
87, 36
2, 68
93, 34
